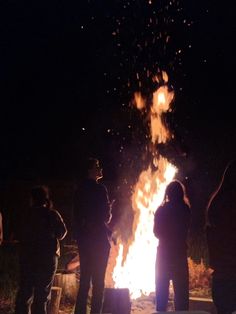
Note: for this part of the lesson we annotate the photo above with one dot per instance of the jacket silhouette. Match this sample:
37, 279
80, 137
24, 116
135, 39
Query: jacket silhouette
171, 224
92, 213
221, 239
40, 234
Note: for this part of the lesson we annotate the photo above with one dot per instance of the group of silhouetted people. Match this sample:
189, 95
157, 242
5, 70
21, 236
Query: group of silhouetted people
171, 225
44, 228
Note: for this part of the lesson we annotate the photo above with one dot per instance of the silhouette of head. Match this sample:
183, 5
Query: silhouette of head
221, 207
229, 182
175, 191
40, 196
94, 170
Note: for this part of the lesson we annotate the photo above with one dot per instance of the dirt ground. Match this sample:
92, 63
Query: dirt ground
144, 305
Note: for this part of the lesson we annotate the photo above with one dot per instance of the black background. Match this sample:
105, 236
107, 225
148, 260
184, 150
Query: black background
68, 72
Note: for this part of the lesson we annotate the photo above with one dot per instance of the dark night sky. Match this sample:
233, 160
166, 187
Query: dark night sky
68, 71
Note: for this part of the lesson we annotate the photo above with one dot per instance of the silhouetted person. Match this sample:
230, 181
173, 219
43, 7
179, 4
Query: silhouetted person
92, 213
39, 251
221, 238
171, 224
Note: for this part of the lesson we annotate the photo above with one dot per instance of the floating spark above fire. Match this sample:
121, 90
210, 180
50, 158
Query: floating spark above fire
136, 271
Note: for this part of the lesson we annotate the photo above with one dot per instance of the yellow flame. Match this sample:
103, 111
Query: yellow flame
162, 99
137, 271
165, 76
139, 101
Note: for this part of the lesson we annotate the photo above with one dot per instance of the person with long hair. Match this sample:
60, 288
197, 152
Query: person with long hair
171, 225
221, 240
40, 233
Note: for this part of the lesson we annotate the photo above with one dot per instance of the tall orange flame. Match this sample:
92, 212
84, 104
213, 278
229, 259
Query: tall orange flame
137, 272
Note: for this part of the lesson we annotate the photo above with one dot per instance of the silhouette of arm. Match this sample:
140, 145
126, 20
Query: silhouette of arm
59, 225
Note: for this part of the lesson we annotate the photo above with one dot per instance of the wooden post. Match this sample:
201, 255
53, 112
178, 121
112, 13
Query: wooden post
69, 284
54, 303
203, 304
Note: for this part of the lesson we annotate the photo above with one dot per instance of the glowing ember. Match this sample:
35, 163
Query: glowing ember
139, 101
137, 270
161, 103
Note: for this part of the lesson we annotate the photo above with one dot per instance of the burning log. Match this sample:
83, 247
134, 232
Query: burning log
116, 301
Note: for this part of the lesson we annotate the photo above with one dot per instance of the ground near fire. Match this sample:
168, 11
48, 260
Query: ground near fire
199, 282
